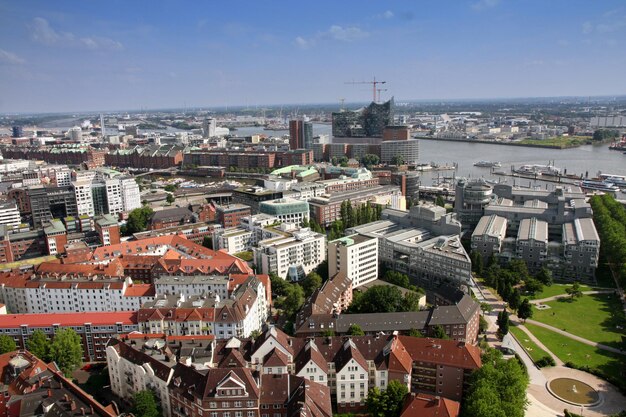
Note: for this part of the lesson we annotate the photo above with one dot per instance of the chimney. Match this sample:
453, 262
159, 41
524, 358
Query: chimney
437, 400
91, 409
73, 405
49, 393
82, 411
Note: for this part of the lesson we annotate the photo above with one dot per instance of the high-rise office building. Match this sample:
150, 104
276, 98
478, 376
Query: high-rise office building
300, 134
209, 127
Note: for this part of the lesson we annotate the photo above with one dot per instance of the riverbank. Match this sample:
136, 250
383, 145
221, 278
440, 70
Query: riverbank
552, 143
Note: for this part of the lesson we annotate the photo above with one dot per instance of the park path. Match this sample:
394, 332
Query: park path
556, 297
537, 341
577, 338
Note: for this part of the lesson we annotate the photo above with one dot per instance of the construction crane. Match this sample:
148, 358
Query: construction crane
342, 101
374, 84
379, 90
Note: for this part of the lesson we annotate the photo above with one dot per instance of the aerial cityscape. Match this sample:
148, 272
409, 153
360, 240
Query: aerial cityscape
334, 209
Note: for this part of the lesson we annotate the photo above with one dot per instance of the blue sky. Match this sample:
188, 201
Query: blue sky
101, 55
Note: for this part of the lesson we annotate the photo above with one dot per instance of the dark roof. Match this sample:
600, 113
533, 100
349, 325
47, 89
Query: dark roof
385, 322
173, 214
461, 312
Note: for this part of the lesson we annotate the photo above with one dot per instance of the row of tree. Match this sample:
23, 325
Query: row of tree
351, 216
509, 280
605, 134
609, 217
66, 349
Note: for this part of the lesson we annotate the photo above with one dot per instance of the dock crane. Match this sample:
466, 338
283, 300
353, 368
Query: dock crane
374, 84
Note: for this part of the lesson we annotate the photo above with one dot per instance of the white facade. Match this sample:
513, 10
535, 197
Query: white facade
84, 197
356, 256
352, 380
234, 240
70, 297
9, 214
131, 197
115, 204
192, 285
303, 250
63, 177
128, 378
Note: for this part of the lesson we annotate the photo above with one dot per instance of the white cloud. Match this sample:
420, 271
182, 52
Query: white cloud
587, 28
387, 14
302, 43
335, 32
485, 4
347, 34
43, 33
614, 26
7, 57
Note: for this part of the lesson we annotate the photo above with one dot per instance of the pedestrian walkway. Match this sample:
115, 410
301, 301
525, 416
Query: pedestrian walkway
556, 297
577, 338
538, 343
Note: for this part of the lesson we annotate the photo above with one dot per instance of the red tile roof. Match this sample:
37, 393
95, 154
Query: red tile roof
426, 405
67, 319
444, 352
140, 290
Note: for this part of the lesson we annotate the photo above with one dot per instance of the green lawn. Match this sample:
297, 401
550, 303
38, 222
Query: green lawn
531, 347
556, 289
606, 363
594, 317
246, 256
560, 141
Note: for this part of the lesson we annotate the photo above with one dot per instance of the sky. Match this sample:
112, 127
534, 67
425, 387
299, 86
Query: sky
58, 56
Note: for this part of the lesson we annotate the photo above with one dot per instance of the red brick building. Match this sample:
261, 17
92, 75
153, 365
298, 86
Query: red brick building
88, 156
296, 157
226, 158
230, 215
156, 157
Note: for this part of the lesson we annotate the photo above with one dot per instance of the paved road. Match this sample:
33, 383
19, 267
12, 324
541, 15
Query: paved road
577, 338
556, 297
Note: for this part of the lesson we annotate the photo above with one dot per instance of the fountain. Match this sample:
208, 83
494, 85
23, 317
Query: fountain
573, 391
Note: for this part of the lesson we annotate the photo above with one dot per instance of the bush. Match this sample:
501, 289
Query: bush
545, 361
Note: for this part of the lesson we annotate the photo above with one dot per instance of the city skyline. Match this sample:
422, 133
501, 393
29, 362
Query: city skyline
81, 56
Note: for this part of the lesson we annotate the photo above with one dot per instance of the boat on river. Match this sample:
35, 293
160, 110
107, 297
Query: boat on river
487, 164
535, 170
604, 186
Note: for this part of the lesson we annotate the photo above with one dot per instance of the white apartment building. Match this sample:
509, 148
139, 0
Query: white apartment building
9, 214
41, 296
234, 239
131, 197
84, 197
146, 372
292, 255
250, 232
352, 376
356, 256
190, 285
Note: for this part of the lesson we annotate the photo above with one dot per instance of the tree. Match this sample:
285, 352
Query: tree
411, 301
312, 282
533, 285
66, 350
440, 201
544, 276
170, 188
483, 325
294, 298
397, 160
515, 299
376, 403
497, 389
370, 159
574, 291
525, 310
477, 262
39, 345
7, 344
355, 330
396, 278
378, 299
438, 332
138, 220
279, 285
322, 270
486, 307
503, 323
395, 392
254, 334
415, 333
145, 405
170, 198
